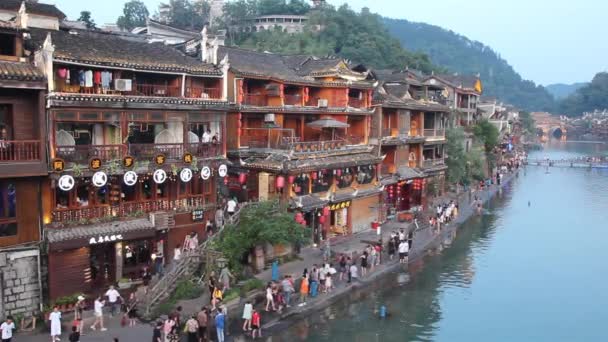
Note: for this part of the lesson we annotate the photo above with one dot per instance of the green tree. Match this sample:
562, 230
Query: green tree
135, 14
487, 134
85, 17
457, 158
588, 98
265, 222
268, 7
527, 122
188, 14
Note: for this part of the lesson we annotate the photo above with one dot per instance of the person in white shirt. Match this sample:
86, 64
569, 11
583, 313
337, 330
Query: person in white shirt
404, 248
7, 329
177, 253
231, 206
206, 137
55, 319
98, 310
113, 296
354, 272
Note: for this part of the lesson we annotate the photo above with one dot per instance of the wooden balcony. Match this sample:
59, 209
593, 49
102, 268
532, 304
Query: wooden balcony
356, 102
431, 163
293, 100
435, 133
255, 100
85, 214
204, 93
19, 151
83, 153
331, 102
156, 90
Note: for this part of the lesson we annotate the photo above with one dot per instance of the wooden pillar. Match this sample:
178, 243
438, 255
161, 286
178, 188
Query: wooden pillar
118, 261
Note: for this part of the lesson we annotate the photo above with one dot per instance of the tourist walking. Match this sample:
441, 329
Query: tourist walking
55, 319
168, 327
98, 312
364, 264
353, 272
342, 266
157, 335
202, 318
391, 248
231, 207
113, 296
288, 289
269, 297
78, 313
192, 329
225, 277
247, 315
304, 288
216, 298
7, 328
257, 325
403, 251
220, 320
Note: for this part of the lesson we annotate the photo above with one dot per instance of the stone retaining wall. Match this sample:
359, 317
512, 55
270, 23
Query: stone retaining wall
19, 285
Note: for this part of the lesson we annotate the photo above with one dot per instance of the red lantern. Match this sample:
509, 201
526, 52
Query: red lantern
339, 172
321, 219
303, 223
299, 217
314, 176
280, 183
326, 211
239, 132
242, 178
291, 179
226, 180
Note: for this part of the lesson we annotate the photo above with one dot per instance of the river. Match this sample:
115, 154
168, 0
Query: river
518, 273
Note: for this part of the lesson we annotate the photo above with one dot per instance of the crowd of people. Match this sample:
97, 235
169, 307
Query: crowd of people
444, 214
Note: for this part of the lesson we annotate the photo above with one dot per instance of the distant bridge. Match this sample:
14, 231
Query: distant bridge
582, 162
550, 125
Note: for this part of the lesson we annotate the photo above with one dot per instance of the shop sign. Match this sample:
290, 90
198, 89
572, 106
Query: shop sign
187, 158
159, 176
99, 179
66, 183
185, 175
105, 238
159, 159
95, 163
130, 178
205, 173
222, 170
340, 205
58, 164
198, 215
128, 161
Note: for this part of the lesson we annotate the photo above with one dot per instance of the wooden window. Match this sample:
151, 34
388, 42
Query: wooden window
8, 209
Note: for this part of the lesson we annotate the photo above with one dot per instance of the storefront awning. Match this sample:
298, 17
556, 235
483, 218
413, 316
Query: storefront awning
84, 236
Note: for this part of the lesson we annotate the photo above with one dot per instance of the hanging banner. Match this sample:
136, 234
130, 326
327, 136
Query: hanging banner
222, 170
66, 183
130, 178
205, 172
95, 163
99, 179
185, 175
58, 164
128, 161
160, 176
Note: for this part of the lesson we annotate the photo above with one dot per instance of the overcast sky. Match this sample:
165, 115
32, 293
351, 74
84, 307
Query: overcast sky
547, 41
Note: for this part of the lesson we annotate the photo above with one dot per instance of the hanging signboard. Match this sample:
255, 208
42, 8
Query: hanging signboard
185, 175
66, 183
159, 176
205, 172
99, 179
130, 178
222, 170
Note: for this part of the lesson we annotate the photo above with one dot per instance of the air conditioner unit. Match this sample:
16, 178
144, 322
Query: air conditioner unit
122, 84
323, 103
269, 117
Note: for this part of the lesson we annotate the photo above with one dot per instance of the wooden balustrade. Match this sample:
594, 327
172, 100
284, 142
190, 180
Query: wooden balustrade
19, 150
158, 90
83, 153
293, 100
255, 100
204, 93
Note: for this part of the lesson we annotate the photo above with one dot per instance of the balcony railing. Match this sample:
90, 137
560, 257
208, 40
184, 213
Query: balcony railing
255, 100
157, 90
293, 100
125, 209
434, 133
355, 102
317, 146
274, 138
433, 162
19, 150
331, 102
390, 132
204, 93
83, 153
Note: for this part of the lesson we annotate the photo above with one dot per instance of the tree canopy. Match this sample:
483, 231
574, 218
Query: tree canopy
135, 14
264, 222
487, 134
357, 36
187, 14
463, 167
85, 17
588, 98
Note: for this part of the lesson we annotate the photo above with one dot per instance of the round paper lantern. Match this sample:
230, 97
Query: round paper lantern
321, 219
280, 182
303, 223
314, 176
339, 172
242, 178
291, 179
226, 180
326, 211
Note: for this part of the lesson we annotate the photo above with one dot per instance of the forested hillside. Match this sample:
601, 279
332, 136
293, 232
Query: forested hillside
561, 91
588, 98
462, 55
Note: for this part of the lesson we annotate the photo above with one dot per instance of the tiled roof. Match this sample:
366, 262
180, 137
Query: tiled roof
103, 229
307, 202
406, 173
8, 25
297, 69
306, 109
283, 163
34, 7
455, 80
18, 71
395, 96
123, 51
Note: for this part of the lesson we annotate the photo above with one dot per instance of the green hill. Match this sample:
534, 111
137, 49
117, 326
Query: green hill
587, 98
560, 90
462, 55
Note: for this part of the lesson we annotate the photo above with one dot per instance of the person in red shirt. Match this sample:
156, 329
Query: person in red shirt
256, 324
